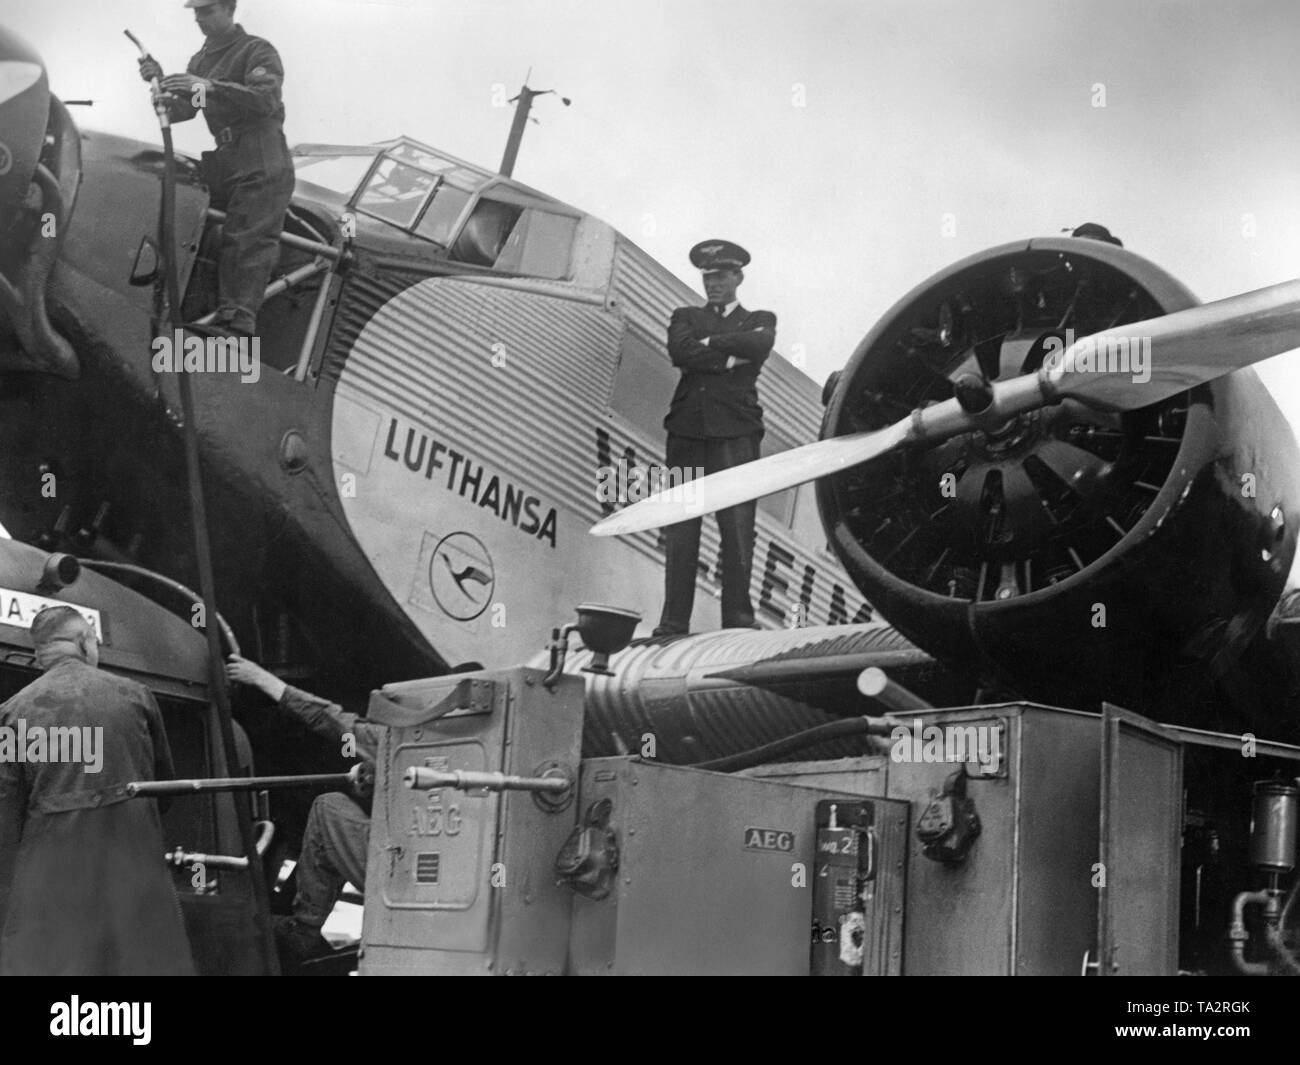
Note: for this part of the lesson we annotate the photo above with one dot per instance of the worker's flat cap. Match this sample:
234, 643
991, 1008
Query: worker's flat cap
718, 255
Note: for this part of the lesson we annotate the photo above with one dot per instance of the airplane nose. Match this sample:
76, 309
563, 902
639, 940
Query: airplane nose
24, 113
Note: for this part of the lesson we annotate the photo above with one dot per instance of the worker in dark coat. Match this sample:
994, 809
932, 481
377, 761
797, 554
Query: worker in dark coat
337, 838
715, 422
84, 889
236, 79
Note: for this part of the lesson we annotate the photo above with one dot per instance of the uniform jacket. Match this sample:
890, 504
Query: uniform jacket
246, 75
712, 402
331, 722
83, 886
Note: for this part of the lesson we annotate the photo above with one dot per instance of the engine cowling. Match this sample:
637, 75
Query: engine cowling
40, 172
1072, 555
24, 112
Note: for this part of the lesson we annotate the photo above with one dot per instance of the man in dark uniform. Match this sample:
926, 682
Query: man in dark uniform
337, 837
715, 423
84, 889
236, 79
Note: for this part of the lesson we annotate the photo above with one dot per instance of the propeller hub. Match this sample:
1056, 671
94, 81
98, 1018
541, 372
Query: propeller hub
1008, 436
1014, 502
974, 393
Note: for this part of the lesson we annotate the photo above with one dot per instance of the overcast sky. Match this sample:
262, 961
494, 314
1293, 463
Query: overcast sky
830, 137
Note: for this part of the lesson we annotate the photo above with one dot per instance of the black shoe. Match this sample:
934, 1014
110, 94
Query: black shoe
297, 942
742, 625
666, 631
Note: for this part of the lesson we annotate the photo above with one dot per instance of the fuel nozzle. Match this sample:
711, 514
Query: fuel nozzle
159, 97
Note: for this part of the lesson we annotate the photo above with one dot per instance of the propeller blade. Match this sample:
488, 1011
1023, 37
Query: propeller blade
1136, 365
762, 477
776, 473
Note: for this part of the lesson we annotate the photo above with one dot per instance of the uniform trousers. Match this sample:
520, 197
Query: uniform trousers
736, 529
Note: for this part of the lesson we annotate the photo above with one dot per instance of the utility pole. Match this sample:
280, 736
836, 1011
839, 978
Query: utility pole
523, 104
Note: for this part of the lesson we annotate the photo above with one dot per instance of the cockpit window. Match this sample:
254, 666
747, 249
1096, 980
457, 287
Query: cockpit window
396, 192
541, 245
441, 215
407, 185
337, 173
524, 240
486, 231
425, 160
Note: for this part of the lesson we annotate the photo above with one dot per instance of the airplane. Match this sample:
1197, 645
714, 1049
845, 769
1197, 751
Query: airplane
451, 362
385, 465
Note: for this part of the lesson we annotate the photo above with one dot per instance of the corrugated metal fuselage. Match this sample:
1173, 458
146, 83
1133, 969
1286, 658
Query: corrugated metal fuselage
423, 497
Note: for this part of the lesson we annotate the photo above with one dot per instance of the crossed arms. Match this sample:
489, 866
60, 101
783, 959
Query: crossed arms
718, 354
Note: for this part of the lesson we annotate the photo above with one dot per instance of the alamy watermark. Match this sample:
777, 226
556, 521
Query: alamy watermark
181, 353
77, 1018
56, 743
1099, 354
921, 743
624, 482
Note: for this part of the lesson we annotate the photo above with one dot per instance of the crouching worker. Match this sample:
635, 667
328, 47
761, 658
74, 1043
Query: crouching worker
84, 889
337, 836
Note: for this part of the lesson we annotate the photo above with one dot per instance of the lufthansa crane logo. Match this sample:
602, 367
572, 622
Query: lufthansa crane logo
461, 576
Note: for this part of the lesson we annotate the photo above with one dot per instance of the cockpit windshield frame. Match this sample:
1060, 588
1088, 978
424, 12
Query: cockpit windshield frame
421, 163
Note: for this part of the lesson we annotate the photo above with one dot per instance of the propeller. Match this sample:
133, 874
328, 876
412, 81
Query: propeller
1120, 369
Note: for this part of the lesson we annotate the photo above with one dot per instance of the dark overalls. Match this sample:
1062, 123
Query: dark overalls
250, 173
337, 838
